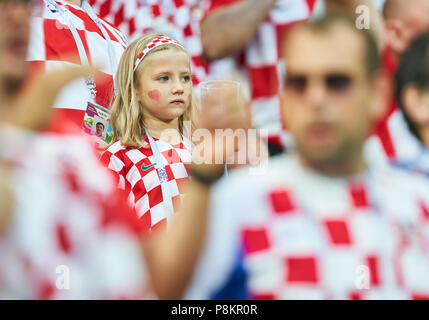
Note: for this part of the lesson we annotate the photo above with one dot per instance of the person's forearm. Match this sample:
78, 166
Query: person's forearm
171, 258
349, 6
226, 30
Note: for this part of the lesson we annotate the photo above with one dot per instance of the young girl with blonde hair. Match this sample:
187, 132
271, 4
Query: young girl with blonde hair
153, 117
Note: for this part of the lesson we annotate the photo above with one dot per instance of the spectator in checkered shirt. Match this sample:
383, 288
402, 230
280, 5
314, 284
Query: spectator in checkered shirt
393, 140
411, 83
178, 19
320, 223
250, 31
154, 100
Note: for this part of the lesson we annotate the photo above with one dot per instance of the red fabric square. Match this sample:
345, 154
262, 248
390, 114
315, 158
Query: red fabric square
281, 201
132, 26
359, 196
170, 174
355, 295
179, 3
338, 232
139, 189
264, 80
263, 296
171, 156
155, 196
187, 31
255, 240
156, 10
303, 269
63, 239
374, 267
119, 16
105, 8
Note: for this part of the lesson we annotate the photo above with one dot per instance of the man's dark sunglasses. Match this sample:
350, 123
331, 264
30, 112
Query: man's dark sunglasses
334, 82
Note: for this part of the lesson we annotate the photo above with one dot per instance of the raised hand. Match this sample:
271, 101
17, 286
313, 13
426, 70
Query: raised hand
33, 108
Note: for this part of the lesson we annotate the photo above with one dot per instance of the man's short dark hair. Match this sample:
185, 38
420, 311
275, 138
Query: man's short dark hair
100, 123
413, 70
372, 53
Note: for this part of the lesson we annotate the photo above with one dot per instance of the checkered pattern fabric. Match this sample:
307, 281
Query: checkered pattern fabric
158, 41
71, 237
300, 235
178, 19
52, 46
262, 62
396, 144
136, 174
392, 140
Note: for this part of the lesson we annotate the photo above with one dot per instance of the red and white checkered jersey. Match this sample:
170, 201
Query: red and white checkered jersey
175, 18
404, 148
261, 61
392, 141
71, 237
293, 233
52, 46
137, 176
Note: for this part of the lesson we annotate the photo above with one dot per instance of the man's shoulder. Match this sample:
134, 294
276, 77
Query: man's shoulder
402, 184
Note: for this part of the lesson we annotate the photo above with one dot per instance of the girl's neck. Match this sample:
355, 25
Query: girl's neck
165, 130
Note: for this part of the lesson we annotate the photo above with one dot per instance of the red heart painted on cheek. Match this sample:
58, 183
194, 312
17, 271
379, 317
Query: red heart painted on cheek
154, 95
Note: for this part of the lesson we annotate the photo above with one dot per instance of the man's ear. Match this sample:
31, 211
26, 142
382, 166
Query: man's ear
394, 35
414, 105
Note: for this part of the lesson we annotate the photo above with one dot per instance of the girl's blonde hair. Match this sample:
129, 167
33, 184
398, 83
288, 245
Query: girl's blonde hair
127, 114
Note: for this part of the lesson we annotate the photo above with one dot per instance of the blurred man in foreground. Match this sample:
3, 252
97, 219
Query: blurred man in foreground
321, 223
65, 232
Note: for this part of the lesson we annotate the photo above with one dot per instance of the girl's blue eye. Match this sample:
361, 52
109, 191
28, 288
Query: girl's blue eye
186, 78
163, 78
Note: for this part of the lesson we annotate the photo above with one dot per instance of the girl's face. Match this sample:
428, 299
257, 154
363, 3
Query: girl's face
164, 84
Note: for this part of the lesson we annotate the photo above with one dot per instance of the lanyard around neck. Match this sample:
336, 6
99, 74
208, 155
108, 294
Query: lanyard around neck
167, 194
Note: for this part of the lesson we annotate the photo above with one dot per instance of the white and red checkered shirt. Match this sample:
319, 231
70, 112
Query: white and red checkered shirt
405, 149
137, 176
52, 46
261, 61
178, 19
295, 234
392, 141
72, 237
